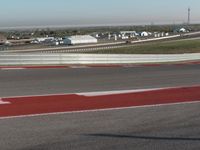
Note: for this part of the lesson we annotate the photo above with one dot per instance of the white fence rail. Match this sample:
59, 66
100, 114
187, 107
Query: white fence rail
62, 59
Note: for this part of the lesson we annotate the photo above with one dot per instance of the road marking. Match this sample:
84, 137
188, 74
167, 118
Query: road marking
78, 66
3, 102
102, 93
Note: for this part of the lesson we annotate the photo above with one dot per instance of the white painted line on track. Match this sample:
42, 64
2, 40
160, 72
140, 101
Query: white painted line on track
3, 102
99, 110
99, 93
117, 92
81, 66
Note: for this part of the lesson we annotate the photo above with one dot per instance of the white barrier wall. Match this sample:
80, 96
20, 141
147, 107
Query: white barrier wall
62, 59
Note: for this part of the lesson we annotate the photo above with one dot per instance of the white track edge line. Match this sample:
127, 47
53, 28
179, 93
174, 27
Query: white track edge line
99, 92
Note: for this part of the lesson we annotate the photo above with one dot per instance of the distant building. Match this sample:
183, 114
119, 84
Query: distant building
125, 37
128, 32
80, 39
182, 30
3, 39
43, 40
144, 34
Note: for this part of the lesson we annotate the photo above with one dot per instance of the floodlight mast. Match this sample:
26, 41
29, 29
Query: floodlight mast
189, 12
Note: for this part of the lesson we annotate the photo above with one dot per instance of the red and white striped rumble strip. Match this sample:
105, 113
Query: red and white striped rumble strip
96, 66
12, 107
3, 103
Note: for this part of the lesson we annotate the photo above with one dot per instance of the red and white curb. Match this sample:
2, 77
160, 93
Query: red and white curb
95, 66
3, 103
10, 68
14, 107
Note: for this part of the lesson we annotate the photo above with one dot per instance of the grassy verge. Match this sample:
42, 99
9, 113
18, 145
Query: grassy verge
170, 47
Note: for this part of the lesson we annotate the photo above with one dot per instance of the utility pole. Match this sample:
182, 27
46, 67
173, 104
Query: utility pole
189, 11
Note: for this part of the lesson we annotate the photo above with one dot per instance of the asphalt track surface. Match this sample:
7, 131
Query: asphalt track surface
66, 80
161, 127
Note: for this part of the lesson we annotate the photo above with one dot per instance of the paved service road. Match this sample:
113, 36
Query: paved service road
162, 127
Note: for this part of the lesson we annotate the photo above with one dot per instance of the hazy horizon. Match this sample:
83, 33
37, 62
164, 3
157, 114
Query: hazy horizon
26, 13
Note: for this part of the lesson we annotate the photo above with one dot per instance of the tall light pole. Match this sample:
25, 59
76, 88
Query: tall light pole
189, 11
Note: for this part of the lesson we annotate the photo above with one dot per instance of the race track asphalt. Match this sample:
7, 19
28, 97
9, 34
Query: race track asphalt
162, 127
54, 81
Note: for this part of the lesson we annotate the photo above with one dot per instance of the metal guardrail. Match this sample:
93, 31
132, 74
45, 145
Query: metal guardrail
62, 59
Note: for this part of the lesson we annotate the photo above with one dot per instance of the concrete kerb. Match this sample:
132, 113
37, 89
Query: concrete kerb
64, 59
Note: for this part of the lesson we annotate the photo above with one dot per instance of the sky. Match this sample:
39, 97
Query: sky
16, 13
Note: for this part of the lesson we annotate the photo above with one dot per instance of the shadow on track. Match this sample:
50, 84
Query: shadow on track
144, 137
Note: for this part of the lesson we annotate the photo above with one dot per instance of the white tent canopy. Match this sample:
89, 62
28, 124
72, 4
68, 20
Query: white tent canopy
80, 39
